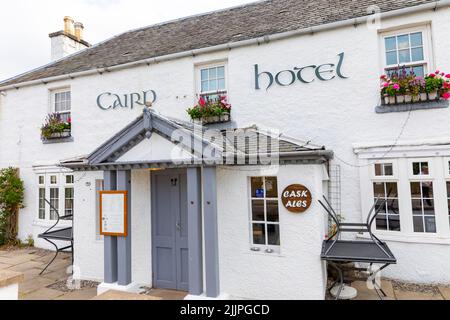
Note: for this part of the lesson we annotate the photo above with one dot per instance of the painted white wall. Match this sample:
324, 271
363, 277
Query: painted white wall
337, 113
297, 272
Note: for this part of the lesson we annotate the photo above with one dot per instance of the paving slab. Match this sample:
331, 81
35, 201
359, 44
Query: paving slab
56, 276
412, 295
167, 294
445, 291
34, 284
42, 294
14, 260
25, 266
8, 278
364, 293
5, 266
118, 295
84, 294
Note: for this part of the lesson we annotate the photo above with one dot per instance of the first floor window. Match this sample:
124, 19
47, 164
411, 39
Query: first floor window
265, 221
422, 198
386, 194
213, 82
63, 104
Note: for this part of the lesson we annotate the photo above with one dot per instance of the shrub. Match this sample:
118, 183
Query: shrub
11, 200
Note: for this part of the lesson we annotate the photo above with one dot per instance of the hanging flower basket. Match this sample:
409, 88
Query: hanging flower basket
209, 111
405, 87
55, 128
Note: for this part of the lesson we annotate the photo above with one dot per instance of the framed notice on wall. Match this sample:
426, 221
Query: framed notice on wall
113, 213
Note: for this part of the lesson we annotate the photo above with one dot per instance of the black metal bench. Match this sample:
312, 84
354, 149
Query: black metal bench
63, 234
372, 251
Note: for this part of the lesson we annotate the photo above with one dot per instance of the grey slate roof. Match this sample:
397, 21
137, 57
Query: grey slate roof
221, 27
236, 145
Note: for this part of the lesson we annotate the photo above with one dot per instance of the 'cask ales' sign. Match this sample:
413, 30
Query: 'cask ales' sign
296, 198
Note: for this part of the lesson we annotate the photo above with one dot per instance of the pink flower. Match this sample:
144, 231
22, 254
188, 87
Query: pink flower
202, 102
448, 76
396, 87
446, 95
383, 77
432, 75
437, 72
386, 84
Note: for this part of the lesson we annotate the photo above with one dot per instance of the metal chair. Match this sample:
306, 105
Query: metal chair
374, 251
64, 234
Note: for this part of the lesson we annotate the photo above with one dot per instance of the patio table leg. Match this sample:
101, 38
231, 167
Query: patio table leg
372, 276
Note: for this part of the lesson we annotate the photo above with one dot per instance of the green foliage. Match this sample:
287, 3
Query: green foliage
11, 200
433, 83
54, 125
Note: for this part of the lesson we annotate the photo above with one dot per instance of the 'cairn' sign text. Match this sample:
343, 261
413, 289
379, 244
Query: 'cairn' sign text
108, 100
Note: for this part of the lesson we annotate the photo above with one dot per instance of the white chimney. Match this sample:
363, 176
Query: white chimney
68, 41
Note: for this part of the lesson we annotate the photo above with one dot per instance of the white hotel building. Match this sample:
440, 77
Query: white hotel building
308, 70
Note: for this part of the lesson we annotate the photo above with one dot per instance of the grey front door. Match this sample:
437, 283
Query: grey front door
169, 230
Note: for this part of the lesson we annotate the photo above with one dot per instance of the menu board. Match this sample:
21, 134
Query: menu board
113, 213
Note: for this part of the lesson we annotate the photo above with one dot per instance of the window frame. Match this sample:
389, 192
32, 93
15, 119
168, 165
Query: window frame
61, 186
53, 94
431, 169
394, 176
263, 247
201, 67
386, 211
427, 61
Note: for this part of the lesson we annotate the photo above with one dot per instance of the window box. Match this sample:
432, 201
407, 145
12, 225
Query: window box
55, 128
209, 111
407, 98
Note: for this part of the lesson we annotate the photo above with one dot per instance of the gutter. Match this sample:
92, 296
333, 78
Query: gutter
228, 46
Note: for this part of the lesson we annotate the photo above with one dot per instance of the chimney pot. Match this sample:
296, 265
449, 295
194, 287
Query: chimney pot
79, 30
69, 25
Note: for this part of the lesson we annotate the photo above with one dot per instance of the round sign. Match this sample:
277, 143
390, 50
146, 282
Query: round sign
296, 198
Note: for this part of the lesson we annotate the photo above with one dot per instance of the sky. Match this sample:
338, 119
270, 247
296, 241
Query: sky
26, 24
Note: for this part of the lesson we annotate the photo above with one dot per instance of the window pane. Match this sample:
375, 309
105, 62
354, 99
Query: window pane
272, 211
69, 196
428, 207
257, 187
380, 206
417, 207
54, 200
427, 189
448, 189
391, 43
213, 73
404, 56
403, 41
258, 210
394, 223
415, 190
416, 39
417, 54
388, 169
419, 71
430, 224
42, 203
391, 57
271, 187
418, 224
221, 72
424, 168
382, 222
205, 86
391, 190
53, 180
204, 74
41, 180
273, 233
213, 85
259, 234
69, 179
221, 85
392, 207
379, 189
378, 170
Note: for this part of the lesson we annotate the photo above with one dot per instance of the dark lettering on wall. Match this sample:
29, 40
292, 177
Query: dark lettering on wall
108, 100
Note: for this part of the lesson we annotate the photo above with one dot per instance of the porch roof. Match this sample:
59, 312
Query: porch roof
206, 146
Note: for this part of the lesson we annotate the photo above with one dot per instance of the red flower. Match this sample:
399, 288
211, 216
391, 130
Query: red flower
202, 102
432, 75
448, 76
383, 77
446, 95
69, 120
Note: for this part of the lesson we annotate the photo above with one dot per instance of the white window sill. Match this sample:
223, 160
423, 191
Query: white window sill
262, 252
408, 238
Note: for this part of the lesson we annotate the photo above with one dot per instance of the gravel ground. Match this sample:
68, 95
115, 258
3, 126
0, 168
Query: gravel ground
403, 286
62, 285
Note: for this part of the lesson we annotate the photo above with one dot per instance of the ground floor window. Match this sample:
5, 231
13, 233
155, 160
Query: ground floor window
386, 194
265, 220
58, 189
424, 219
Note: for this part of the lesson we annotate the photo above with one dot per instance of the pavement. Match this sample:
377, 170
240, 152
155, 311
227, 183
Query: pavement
52, 284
